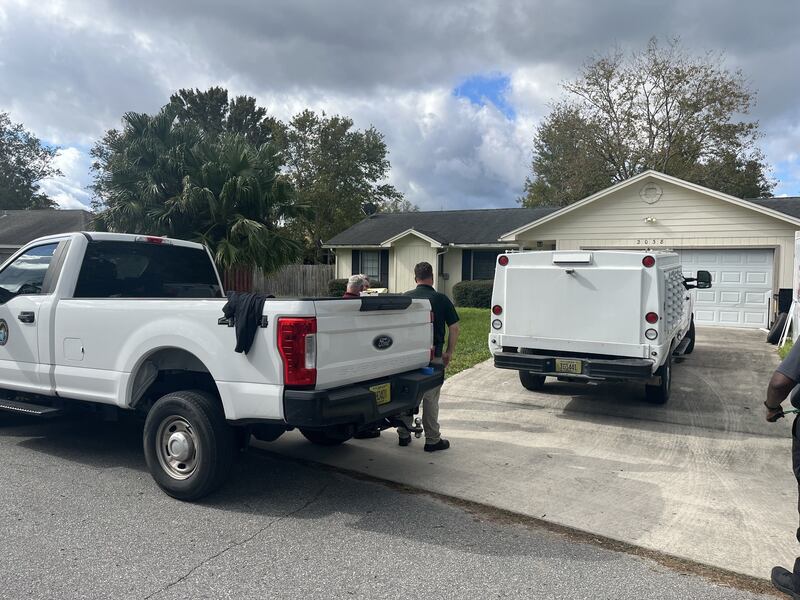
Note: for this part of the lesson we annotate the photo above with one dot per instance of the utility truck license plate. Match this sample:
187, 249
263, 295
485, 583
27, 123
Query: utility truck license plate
383, 393
569, 366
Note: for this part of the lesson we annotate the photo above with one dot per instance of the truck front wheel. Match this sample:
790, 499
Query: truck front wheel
530, 381
188, 445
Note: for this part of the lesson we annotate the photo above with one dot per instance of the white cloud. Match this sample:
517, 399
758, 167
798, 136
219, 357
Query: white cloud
71, 69
69, 189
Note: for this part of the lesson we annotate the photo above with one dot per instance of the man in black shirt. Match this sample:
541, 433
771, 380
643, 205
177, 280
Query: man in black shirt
444, 315
784, 380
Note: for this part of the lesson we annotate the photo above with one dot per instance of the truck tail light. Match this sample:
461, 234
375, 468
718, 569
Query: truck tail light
503, 260
297, 344
497, 309
648, 261
651, 318
152, 239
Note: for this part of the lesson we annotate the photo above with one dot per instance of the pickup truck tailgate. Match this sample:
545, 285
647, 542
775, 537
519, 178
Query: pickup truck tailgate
356, 343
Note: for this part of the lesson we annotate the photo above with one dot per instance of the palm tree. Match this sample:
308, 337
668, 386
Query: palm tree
162, 177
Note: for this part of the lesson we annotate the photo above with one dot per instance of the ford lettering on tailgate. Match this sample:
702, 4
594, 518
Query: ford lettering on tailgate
382, 342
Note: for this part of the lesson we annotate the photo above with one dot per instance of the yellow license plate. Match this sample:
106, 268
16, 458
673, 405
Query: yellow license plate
574, 367
383, 393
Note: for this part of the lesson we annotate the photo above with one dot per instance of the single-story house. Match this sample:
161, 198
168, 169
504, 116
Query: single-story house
746, 244
18, 227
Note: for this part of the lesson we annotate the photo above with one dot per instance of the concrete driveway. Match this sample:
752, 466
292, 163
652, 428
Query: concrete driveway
703, 478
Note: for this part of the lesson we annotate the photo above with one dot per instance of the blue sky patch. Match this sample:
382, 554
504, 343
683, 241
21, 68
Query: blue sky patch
484, 89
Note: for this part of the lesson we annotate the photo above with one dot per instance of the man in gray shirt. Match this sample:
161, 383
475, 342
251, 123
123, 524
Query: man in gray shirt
784, 380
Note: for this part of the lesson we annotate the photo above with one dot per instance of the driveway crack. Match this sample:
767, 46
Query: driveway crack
236, 544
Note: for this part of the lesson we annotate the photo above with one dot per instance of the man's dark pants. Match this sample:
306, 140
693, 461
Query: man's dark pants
796, 469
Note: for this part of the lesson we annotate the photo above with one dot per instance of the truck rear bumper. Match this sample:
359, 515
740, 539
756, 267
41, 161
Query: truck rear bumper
356, 404
592, 368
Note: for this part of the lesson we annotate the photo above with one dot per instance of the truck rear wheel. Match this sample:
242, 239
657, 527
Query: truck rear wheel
530, 381
330, 436
659, 394
188, 445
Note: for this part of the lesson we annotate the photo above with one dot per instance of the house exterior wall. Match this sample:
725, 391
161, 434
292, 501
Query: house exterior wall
684, 219
344, 263
452, 266
407, 252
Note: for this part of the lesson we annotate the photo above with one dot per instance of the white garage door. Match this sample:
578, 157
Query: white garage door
741, 286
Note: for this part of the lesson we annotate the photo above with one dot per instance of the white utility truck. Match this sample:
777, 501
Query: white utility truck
112, 321
593, 316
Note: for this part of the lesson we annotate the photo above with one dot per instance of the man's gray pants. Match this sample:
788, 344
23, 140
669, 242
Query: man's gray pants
430, 414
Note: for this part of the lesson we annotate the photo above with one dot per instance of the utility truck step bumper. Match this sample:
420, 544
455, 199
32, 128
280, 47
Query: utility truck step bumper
361, 404
590, 368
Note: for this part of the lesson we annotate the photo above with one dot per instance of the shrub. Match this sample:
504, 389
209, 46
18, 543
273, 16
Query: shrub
337, 287
475, 294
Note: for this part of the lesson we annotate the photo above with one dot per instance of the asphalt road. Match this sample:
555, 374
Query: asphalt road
81, 518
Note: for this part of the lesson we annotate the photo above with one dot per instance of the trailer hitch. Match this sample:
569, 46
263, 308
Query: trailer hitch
416, 428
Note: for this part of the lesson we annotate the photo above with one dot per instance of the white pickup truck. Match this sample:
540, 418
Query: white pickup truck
593, 316
99, 320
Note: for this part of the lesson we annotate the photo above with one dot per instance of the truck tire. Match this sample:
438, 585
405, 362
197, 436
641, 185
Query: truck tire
659, 394
530, 381
774, 335
691, 336
331, 436
188, 445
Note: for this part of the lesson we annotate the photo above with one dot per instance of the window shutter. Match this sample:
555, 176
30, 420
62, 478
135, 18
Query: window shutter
385, 267
466, 265
356, 262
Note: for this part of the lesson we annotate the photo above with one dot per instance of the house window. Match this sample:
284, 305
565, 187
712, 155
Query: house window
371, 264
484, 263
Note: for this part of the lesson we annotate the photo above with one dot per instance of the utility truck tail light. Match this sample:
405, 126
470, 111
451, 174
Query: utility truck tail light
651, 318
503, 260
497, 309
648, 261
297, 344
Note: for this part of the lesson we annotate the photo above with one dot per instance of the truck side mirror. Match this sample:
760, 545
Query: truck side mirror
703, 280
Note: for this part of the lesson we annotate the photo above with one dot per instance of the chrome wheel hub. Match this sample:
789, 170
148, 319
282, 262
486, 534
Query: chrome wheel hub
177, 447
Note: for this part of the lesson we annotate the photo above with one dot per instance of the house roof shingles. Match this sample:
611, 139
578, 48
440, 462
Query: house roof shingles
788, 205
447, 226
18, 227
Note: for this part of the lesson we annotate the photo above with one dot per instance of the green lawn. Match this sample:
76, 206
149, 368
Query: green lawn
473, 342
783, 351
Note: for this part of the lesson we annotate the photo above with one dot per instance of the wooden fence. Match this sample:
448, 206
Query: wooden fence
295, 280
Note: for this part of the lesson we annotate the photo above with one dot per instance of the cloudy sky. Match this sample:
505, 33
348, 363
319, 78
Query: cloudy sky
456, 86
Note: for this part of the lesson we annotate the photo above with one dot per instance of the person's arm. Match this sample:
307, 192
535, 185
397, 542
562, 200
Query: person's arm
782, 382
780, 386
452, 339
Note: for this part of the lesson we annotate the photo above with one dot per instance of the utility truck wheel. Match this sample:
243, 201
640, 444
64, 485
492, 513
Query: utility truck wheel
330, 436
530, 381
691, 335
659, 394
188, 446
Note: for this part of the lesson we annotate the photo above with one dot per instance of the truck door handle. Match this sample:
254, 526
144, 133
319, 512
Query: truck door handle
26, 316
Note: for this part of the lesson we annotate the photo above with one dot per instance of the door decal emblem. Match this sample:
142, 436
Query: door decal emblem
382, 342
3, 332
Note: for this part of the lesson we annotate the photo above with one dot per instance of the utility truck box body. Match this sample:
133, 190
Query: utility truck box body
590, 315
